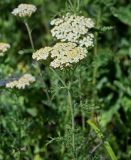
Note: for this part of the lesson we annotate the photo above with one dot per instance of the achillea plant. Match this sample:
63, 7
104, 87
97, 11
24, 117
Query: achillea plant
23, 11
74, 36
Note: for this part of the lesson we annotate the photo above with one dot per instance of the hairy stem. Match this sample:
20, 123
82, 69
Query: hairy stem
39, 69
82, 112
73, 124
94, 66
61, 80
30, 36
95, 50
71, 111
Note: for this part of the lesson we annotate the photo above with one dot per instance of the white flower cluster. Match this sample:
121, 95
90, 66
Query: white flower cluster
24, 10
3, 48
63, 54
74, 35
22, 82
42, 53
73, 28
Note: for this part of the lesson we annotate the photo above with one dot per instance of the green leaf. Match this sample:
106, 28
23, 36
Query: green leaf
123, 14
105, 142
106, 117
32, 111
37, 157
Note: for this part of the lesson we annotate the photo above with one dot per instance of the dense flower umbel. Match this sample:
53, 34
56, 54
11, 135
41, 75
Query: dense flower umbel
62, 54
3, 48
42, 54
22, 82
74, 34
65, 54
24, 10
73, 28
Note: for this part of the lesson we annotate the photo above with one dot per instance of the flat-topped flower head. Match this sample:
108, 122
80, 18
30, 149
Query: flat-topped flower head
66, 54
3, 48
42, 54
24, 10
22, 82
62, 54
72, 28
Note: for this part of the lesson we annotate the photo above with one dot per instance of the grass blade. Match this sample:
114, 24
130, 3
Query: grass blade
106, 144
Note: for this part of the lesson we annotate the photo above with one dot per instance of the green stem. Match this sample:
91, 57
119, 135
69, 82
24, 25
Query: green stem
73, 124
63, 83
105, 142
82, 112
83, 121
95, 49
39, 70
94, 66
71, 110
30, 36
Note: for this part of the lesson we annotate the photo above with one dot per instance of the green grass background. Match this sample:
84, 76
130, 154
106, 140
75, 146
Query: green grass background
27, 121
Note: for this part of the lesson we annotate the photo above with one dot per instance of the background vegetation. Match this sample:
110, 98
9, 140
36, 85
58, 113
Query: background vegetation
35, 127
